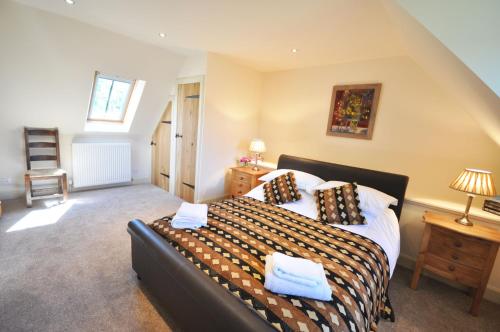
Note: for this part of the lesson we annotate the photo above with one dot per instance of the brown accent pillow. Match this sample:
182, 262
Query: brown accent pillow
281, 189
339, 205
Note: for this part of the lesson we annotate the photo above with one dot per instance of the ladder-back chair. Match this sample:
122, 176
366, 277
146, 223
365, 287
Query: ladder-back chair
43, 163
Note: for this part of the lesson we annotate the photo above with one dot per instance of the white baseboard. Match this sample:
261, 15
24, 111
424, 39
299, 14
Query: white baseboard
104, 186
133, 182
492, 293
141, 181
17, 191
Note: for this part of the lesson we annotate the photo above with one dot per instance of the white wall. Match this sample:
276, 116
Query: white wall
232, 105
194, 65
47, 64
420, 129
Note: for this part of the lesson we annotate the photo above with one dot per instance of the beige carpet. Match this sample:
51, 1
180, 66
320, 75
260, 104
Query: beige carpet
67, 268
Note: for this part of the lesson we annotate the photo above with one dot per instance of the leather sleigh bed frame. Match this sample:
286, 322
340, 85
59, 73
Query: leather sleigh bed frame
191, 298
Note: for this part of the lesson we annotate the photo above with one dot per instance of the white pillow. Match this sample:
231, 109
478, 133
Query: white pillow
328, 185
304, 181
371, 200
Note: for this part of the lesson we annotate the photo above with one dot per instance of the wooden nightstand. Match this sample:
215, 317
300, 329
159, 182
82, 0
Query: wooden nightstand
464, 254
244, 179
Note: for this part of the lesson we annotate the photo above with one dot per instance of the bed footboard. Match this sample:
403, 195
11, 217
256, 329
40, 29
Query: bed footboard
190, 297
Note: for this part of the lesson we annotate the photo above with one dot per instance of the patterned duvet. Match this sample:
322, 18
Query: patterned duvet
231, 250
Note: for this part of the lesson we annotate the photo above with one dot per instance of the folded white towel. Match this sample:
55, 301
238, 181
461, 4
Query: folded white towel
189, 210
275, 284
190, 216
298, 270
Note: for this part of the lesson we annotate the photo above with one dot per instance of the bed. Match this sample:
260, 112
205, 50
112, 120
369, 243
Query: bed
187, 287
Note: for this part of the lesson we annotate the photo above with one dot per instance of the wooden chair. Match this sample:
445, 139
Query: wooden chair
43, 140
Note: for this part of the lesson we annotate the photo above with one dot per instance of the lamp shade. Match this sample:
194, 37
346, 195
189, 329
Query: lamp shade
475, 181
257, 146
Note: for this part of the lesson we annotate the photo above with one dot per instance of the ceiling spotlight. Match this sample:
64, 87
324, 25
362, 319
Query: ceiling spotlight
70, 2
162, 35
294, 50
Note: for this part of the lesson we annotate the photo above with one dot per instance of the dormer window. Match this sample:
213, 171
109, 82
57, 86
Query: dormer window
110, 98
113, 103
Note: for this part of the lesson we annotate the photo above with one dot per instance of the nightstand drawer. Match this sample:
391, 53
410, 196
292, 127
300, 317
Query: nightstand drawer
468, 245
456, 256
239, 188
453, 271
242, 177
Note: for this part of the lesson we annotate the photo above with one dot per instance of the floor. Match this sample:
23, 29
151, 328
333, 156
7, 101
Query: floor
75, 274
66, 267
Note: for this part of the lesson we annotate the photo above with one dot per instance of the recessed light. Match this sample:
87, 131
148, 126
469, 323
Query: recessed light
294, 50
70, 2
162, 35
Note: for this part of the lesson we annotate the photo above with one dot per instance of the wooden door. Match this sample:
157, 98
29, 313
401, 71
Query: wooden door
187, 134
161, 150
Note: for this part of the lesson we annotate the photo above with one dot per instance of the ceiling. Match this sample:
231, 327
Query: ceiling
258, 33
262, 33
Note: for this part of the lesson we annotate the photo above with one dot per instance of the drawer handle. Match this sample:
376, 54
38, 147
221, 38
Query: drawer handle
241, 184
239, 192
458, 244
242, 178
454, 256
451, 268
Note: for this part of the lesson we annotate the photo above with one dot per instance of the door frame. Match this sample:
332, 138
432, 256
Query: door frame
171, 99
201, 116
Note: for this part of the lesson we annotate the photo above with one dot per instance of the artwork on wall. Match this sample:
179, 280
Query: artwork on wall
353, 109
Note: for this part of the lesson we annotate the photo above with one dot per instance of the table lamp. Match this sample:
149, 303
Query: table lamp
257, 146
473, 182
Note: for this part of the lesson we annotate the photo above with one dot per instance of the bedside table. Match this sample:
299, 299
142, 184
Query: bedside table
244, 179
464, 254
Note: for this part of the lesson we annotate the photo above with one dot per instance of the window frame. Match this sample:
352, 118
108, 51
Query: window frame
97, 75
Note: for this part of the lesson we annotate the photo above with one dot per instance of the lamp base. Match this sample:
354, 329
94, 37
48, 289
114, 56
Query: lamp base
464, 220
255, 167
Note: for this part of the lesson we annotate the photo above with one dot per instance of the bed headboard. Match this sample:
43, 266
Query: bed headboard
389, 183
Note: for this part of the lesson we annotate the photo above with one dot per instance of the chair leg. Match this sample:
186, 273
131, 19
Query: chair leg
65, 187
27, 187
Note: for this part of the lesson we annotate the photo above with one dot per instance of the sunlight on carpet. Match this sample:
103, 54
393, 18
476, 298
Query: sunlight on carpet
43, 217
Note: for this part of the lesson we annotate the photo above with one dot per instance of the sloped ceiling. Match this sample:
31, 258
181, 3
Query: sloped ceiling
47, 66
456, 41
469, 29
50, 60
476, 97
258, 33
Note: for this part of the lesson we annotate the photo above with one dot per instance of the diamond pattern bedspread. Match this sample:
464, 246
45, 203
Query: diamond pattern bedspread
231, 250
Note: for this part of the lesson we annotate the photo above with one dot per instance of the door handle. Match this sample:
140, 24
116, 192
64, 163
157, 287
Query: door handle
178, 136
153, 143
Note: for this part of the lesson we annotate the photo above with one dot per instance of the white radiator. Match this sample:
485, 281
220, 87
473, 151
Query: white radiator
97, 164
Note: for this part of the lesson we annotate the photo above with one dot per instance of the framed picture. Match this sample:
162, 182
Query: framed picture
353, 109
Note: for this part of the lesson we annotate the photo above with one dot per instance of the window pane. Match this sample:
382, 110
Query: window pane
109, 101
101, 94
117, 100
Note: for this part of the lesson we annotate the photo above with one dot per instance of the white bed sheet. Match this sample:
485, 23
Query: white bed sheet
383, 229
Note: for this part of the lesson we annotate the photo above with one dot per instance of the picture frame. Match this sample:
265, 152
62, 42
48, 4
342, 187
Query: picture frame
353, 109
